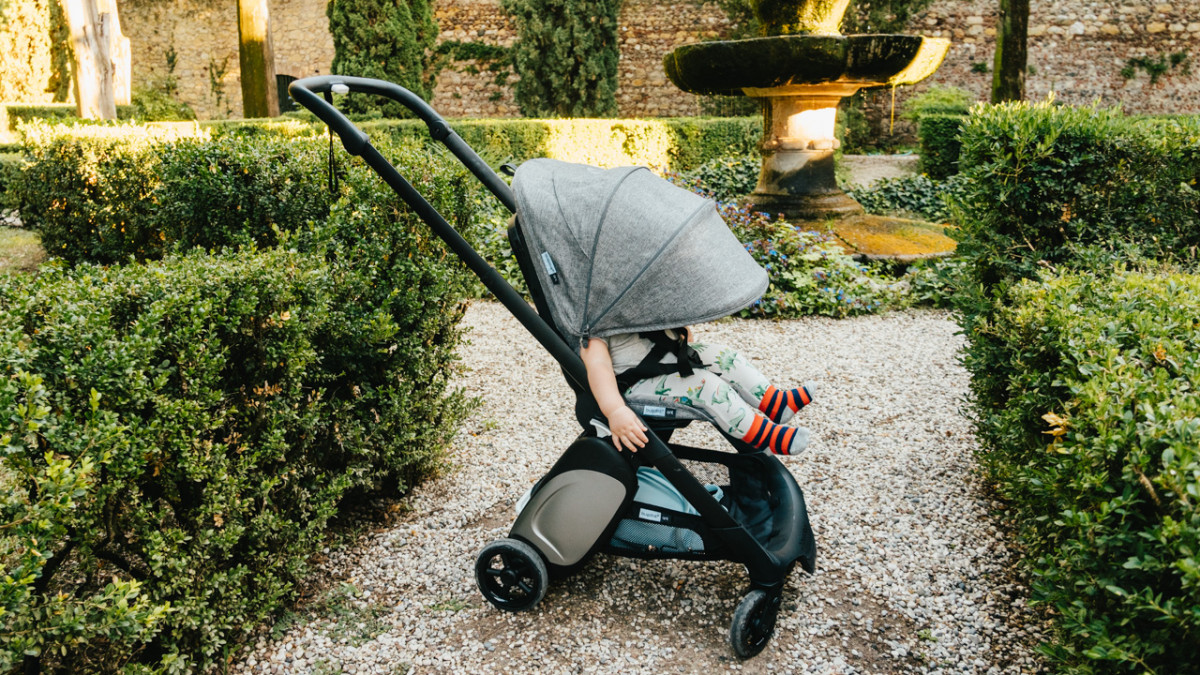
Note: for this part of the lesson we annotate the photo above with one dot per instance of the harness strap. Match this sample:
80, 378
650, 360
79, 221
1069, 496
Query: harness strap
686, 359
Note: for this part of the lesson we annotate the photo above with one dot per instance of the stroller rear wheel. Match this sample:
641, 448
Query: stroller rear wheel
754, 623
511, 575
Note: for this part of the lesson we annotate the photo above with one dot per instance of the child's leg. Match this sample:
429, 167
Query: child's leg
708, 392
778, 404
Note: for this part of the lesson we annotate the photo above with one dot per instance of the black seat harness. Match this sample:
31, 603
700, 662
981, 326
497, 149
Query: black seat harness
686, 359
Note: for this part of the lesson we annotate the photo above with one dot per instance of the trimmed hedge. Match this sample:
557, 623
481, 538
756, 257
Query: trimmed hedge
181, 431
1048, 186
12, 115
1086, 404
678, 144
140, 192
199, 419
940, 144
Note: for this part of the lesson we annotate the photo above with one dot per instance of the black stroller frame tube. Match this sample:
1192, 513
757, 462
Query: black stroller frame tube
304, 91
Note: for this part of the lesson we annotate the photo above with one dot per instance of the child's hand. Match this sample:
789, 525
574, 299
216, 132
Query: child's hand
627, 429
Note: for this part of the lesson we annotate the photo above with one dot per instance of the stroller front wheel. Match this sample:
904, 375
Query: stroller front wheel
753, 623
511, 575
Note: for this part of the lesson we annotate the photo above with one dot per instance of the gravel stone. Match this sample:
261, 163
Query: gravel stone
913, 571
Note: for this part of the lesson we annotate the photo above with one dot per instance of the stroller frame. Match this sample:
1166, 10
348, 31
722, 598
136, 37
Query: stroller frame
513, 573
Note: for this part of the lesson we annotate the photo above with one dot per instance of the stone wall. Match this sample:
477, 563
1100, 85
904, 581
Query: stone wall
1077, 49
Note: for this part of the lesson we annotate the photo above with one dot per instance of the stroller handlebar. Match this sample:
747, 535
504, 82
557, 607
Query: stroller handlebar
305, 92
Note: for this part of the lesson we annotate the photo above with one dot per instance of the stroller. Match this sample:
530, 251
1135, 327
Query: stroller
595, 498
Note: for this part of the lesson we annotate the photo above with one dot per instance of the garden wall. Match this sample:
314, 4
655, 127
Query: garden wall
1077, 48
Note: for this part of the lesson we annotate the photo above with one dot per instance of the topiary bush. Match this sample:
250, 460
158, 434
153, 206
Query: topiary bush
88, 190
264, 185
1086, 411
940, 144
566, 57
185, 429
1043, 183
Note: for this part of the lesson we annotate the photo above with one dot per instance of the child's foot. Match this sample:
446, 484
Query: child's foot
779, 439
779, 405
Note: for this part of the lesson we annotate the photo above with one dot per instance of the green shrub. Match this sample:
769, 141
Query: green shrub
108, 194
565, 57
679, 144
940, 144
384, 39
938, 100
238, 190
217, 410
88, 190
1043, 183
938, 114
1086, 407
154, 105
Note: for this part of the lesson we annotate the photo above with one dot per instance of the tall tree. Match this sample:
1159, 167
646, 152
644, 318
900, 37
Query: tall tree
390, 40
260, 95
1012, 34
101, 57
566, 57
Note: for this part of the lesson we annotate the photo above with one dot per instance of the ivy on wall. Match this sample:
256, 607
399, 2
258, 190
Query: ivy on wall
566, 57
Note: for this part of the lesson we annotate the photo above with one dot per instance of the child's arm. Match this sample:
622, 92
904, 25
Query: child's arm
625, 426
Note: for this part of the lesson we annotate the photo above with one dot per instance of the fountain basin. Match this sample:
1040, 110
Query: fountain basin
789, 61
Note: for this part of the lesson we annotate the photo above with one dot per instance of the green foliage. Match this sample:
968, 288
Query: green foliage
135, 192
215, 411
919, 197
1044, 183
938, 114
940, 144
1086, 408
1157, 67
387, 40
87, 191
265, 186
728, 178
939, 100
152, 104
566, 57
679, 144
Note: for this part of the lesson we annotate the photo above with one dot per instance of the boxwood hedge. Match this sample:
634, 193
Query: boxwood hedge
1094, 441
176, 435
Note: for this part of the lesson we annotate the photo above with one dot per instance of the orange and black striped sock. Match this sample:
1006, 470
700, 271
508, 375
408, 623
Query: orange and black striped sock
767, 435
776, 401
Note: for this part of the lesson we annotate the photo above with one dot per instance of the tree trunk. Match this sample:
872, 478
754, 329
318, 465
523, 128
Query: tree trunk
1012, 31
260, 98
122, 60
91, 35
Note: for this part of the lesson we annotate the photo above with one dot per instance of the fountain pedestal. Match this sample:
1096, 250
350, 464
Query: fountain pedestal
798, 147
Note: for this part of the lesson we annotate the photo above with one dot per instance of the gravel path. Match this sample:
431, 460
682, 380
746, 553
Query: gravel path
912, 572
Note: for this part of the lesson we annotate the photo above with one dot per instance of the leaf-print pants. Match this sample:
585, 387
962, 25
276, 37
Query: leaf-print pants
729, 388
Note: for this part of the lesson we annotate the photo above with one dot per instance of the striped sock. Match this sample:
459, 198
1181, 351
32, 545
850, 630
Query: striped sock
779, 439
779, 405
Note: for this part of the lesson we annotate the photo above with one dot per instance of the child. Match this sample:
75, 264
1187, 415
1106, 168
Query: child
723, 384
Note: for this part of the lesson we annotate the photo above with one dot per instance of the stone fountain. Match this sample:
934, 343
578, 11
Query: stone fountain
802, 68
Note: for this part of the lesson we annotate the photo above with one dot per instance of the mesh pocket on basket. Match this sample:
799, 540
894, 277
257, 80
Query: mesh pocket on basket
636, 535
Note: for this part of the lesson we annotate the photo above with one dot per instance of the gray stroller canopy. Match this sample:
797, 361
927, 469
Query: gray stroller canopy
624, 251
